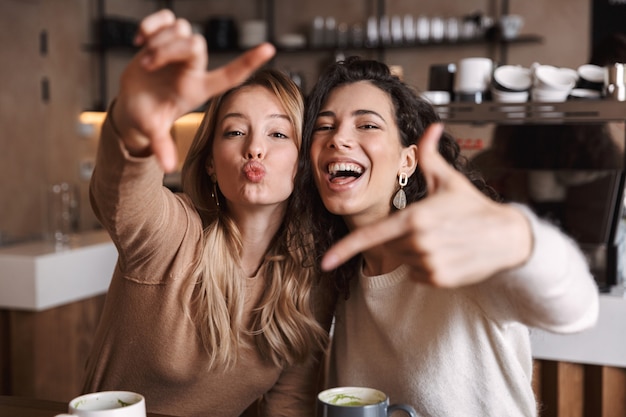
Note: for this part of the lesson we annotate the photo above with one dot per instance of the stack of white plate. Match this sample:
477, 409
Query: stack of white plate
552, 84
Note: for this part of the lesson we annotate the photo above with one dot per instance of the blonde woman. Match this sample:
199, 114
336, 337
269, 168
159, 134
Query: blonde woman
213, 303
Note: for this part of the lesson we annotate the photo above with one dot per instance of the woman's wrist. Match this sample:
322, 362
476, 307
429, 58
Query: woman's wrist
135, 143
112, 119
523, 238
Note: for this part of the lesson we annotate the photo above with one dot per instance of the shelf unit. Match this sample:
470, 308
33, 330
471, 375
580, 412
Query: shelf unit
269, 11
580, 111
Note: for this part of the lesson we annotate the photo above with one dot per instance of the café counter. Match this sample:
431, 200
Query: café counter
51, 298
39, 275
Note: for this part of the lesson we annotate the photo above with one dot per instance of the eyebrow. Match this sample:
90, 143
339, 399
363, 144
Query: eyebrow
360, 112
241, 116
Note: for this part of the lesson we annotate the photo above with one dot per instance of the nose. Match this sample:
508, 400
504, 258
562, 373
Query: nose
340, 138
255, 148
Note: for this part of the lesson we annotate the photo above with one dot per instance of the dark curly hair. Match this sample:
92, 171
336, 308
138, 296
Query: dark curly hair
412, 116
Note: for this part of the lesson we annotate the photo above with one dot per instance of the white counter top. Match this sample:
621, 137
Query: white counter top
604, 344
35, 276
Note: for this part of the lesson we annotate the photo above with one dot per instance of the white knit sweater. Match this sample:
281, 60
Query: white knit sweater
462, 352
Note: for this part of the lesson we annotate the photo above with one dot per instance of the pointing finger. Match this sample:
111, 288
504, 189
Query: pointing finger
364, 238
238, 70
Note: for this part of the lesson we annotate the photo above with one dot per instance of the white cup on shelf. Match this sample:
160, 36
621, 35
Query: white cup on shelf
422, 29
511, 25
252, 33
473, 75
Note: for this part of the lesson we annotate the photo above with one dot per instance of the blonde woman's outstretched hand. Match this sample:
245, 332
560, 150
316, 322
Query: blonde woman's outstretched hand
167, 78
455, 236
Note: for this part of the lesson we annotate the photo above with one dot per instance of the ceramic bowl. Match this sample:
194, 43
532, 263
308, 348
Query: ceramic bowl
512, 78
548, 77
591, 77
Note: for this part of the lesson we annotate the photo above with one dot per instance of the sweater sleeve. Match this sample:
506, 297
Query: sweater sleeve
554, 290
145, 220
295, 392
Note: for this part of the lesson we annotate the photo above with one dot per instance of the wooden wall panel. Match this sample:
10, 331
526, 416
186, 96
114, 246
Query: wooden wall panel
48, 349
5, 360
605, 388
574, 390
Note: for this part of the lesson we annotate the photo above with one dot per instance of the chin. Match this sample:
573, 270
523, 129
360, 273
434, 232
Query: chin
339, 208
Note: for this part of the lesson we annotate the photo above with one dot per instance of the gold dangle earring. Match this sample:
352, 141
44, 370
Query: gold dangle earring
399, 200
214, 194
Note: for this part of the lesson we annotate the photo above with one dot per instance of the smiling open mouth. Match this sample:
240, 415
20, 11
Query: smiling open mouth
344, 170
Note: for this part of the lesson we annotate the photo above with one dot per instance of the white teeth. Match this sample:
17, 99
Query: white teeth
335, 167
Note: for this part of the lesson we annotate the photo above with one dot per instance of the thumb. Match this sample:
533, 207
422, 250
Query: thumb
435, 168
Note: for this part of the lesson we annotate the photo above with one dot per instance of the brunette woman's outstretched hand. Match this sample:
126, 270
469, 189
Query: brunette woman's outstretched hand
167, 78
455, 236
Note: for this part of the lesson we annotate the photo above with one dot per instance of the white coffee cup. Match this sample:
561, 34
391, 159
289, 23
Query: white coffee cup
252, 33
107, 404
473, 75
510, 25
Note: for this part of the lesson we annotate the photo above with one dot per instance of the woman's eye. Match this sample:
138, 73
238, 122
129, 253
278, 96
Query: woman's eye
232, 133
368, 126
322, 128
279, 135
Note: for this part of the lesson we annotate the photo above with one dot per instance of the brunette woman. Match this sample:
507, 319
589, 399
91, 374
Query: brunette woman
441, 281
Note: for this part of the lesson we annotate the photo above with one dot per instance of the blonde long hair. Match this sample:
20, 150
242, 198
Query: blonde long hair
284, 328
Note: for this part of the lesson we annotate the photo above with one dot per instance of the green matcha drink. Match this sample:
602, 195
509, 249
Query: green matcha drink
352, 396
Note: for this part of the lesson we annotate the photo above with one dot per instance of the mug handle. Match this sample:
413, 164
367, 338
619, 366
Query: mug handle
402, 407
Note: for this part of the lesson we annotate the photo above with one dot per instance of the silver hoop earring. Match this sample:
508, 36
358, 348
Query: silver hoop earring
399, 200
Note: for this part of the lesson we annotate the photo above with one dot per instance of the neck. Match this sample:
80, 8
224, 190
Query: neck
377, 260
257, 230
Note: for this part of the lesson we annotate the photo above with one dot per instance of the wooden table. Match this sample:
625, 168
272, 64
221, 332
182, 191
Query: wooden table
29, 407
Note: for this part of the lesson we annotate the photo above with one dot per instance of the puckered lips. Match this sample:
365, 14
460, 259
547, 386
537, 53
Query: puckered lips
254, 171
343, 172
